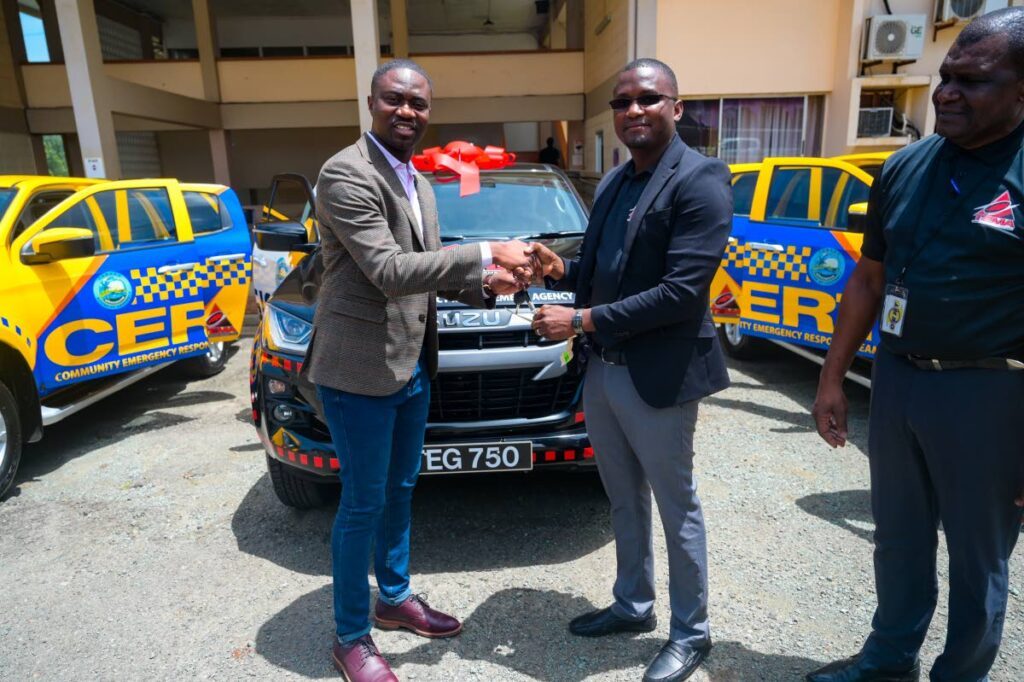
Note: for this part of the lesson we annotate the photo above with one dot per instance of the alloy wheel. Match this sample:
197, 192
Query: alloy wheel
733, 333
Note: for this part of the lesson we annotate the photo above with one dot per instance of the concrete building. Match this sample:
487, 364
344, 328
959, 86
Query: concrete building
234, 91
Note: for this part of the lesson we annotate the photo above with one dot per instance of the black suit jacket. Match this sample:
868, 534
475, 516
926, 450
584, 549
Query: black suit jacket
673, 246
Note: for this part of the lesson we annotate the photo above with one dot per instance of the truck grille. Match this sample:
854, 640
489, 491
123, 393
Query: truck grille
479, 341
503, 394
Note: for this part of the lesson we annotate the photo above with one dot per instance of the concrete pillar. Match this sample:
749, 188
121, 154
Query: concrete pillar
574, 24
219, 154
399, 29
557, 26
367, 54
88, 83
206, 41
642, 29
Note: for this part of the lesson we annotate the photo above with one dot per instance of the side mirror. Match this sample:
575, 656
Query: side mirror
282, 236
856, 217
57, 244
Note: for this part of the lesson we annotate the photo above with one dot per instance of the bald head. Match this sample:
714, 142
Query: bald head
1008, 23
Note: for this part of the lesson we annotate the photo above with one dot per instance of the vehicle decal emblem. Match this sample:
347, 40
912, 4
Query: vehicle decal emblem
998, 213
827, 266
112, 290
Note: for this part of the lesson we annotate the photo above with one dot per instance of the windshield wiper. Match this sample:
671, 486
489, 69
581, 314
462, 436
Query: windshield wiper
460, 237
549, 235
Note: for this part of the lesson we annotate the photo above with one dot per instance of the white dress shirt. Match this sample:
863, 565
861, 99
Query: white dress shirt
407, 173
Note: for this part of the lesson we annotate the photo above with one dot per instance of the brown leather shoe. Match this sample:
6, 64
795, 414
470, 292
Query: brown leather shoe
360, 661
416, 615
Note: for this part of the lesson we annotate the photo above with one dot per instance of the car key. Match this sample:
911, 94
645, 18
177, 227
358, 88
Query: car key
523, 297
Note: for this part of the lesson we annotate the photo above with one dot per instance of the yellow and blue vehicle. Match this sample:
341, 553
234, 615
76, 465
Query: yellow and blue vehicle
102, 283
796, 238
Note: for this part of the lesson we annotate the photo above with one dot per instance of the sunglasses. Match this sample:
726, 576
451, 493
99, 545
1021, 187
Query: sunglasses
645, 101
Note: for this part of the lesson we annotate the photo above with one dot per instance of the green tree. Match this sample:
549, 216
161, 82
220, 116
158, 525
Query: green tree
56, 159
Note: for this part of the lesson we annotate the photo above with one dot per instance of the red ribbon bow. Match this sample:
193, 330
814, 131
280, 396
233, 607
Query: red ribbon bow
463, 160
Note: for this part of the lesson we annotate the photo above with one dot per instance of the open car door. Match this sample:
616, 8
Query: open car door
291, 200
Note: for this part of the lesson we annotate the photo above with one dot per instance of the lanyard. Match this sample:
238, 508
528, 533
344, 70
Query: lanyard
944, 167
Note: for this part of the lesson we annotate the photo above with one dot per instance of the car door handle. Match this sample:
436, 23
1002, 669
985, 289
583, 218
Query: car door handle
180, 267
230, 256
764, 246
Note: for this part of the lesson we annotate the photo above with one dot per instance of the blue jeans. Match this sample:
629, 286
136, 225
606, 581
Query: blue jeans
379, 441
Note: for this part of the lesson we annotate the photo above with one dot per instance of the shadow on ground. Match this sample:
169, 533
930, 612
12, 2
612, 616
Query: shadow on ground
508, 519
136, 409
848, 509
523, 630
797, 379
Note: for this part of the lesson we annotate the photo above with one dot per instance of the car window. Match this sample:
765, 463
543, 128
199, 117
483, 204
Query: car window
206, 212
289, 202
123, 219
873, 171
36, 207
6, 197
743, 185
789, 194
509, 204
850, 190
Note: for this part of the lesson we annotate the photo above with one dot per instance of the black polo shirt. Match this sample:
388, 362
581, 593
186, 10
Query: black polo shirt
605, 287
948, 225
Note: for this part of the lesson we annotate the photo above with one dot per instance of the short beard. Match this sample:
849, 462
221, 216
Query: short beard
642, 142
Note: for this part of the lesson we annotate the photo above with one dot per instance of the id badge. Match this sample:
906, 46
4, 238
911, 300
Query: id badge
894, 310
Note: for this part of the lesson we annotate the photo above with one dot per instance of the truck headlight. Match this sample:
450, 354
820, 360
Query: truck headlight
287, 331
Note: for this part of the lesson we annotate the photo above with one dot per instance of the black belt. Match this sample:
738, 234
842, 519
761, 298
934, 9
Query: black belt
984, 363
609, 356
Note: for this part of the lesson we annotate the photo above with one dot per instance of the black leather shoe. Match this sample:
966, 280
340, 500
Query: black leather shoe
604, 622
854, 669
675, 662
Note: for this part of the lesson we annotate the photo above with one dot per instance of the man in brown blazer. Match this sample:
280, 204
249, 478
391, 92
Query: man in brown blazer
374, 351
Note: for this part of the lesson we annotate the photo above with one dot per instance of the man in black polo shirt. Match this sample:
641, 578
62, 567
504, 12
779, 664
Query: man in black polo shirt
943, 266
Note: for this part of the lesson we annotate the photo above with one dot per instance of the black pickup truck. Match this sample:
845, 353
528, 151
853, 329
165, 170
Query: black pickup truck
504, 398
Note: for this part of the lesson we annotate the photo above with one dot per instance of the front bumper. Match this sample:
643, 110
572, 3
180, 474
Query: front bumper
302, 441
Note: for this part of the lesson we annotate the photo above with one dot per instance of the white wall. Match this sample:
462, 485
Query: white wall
522, 137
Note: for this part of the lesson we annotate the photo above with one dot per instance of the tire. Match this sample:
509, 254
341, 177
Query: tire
738, 345
209, 364
295, 491
10, 438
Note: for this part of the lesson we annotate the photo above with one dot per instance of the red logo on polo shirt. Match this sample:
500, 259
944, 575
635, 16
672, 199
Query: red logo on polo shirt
998, 213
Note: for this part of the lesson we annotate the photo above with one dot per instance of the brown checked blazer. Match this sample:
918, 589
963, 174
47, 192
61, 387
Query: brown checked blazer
377, 307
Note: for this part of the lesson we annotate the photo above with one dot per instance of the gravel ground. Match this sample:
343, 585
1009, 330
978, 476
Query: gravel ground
143, 541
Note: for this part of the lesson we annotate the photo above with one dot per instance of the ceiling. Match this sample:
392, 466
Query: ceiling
425, 16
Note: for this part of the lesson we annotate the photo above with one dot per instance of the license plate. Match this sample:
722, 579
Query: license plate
478, 457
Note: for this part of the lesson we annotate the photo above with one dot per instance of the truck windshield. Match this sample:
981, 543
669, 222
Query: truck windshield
6, 196
509, 204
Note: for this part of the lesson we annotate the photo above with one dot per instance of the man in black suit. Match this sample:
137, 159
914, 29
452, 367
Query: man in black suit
656, 236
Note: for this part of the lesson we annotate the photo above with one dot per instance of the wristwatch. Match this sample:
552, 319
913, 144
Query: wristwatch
577, 321
487, 284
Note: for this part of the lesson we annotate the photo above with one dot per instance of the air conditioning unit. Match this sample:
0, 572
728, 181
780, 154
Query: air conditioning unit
874, 122
889, 37
965, 10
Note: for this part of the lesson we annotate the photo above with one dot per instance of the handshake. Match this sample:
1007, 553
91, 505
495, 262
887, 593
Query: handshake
523, 264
